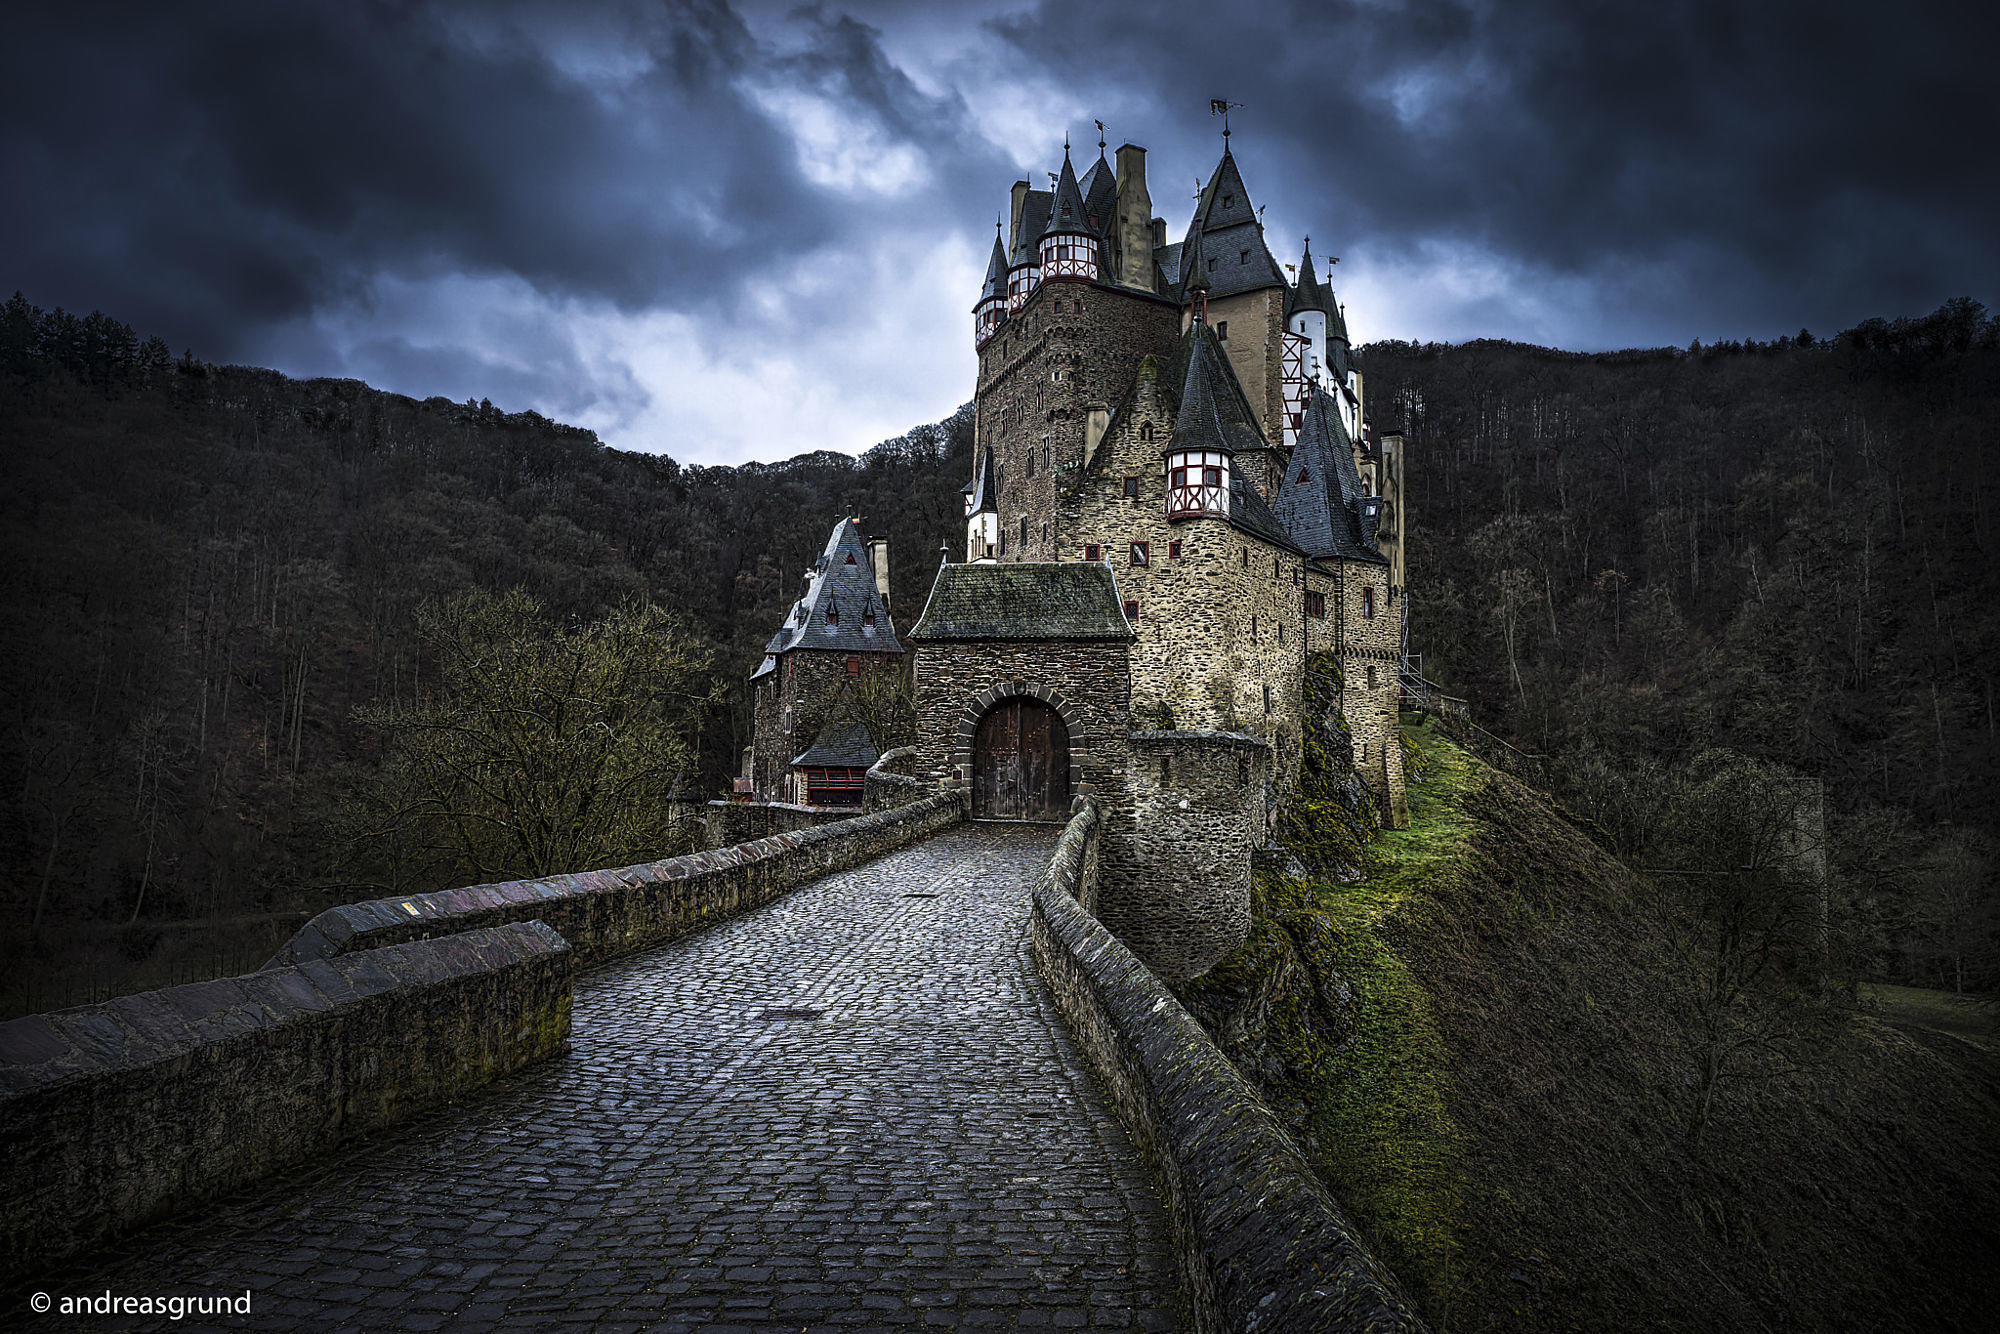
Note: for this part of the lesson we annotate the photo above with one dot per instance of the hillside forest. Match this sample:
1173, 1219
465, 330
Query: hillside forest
246, 607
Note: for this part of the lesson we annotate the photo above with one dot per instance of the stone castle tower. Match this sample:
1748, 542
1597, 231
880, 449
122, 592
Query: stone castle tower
1176, 501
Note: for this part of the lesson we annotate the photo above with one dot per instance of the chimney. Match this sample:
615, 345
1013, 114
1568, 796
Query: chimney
1135, 212
1159, 232
1097, 419
1020, 197
878, 557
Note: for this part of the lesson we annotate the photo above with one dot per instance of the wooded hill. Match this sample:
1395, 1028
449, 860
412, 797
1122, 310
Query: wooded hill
1621, 558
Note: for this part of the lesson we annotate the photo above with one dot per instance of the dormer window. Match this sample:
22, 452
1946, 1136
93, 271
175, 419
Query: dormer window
850, 558
868, 617
832, 614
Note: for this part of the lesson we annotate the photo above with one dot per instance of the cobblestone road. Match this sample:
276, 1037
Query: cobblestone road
854, 1108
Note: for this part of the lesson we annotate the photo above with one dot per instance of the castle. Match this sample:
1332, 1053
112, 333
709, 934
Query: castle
1177, 500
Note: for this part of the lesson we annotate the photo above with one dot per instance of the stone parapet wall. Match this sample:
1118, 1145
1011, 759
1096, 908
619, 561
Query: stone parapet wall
728, 823
889, 782
120, 1113
1263, 1245
611, 912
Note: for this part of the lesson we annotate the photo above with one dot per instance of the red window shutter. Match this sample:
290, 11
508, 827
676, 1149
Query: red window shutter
854, 666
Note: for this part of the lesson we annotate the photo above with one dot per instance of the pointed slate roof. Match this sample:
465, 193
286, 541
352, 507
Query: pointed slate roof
1065, 600
1213, 411
1066, 212
1320, 500
1309, 294
985, 495
1226, 239
995, 286
843, 583
1034, 221
1100, 194
843, 743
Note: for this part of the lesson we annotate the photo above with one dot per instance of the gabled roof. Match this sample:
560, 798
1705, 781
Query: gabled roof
1320, 500
985, 495
1070, 600
1226, 239
843, 583
842, 743
1034, 221
1213, 411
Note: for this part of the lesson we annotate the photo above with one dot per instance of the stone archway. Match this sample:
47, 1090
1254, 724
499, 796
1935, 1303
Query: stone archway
1020, 762
1070, 776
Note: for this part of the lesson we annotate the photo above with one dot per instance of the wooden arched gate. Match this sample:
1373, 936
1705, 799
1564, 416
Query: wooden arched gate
1020, 762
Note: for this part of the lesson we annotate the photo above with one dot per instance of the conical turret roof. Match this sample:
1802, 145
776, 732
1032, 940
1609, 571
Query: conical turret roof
1225, 239
1309, 294
995, 286
1066, 212
1034, 221
1100, 195
984, 493
1320, 500
1213, 414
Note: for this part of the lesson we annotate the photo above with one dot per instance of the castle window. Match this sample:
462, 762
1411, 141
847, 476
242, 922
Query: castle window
1146, 431
1253, 629
1141, 553
853, 665
1173, 551
1093, 552
1267, 698
1131, 611
1024, 530
1197, 484
1166, 771
1281, 632
788, 666
1275, 568
1242, 257
1222, 331
1242, 772
1243, 555
1368, 603
1302, 471
1371, 677
1132, 487
868, 617
850, 558
1316, 605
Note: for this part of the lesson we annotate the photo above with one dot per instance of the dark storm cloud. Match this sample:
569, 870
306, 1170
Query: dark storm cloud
232, 165
1759, 162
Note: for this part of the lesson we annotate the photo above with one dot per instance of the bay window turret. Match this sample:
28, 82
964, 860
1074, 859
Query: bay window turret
1197, 484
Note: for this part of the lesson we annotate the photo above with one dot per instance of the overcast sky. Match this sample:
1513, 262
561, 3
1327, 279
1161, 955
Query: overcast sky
743, 231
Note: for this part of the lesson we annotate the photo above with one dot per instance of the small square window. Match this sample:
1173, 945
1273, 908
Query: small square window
1222, 331
1131, 611
1132, 487
1141, 553
1093, 553
1173, 551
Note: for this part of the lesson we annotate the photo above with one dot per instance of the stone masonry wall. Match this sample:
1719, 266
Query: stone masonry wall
119, 1113
1088, 683
1218, 623
606, 913
1175, 884
1262, 1244
728, 823
811, 683
1038, 379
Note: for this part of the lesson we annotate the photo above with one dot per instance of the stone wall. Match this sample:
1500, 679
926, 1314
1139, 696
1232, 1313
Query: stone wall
1087, 682
1262, 1244
1219, 623
1038, 379
728, 823
1176, 862
790, 704
889, 782
606, 913
119, 1113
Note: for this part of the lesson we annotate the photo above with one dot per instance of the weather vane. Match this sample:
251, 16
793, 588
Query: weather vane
1100, 137
1220, 106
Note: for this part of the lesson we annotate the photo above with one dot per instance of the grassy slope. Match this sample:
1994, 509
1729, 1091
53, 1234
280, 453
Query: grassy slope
1478, 1043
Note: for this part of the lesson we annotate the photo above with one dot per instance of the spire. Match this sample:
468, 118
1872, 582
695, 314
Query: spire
1213, 414
1321, 501
996, 269
1066, 210
1309, 295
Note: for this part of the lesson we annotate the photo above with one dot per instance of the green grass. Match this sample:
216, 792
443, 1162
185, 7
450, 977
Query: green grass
1380, 1110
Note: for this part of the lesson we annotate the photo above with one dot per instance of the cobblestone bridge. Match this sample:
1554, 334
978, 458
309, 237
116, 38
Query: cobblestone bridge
854, 1108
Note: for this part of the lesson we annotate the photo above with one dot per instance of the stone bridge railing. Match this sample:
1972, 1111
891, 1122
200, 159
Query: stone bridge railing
1263, 1244
120, 1113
